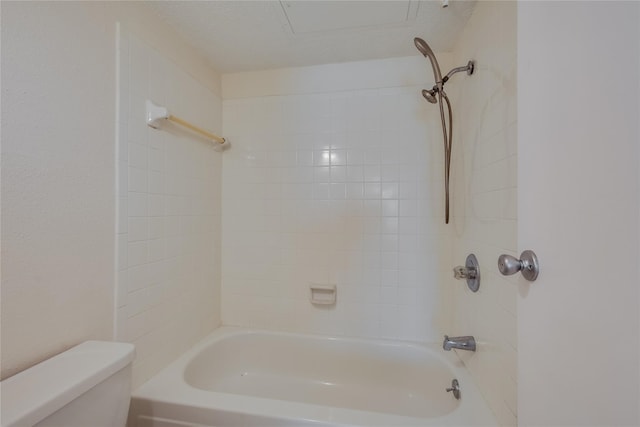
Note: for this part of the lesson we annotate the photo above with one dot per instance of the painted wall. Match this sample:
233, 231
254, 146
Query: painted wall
57, 181
169, 189
335, 178
578, 201
484, 200
58, 169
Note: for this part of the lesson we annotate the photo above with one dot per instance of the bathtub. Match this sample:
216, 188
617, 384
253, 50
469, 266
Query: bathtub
240, 377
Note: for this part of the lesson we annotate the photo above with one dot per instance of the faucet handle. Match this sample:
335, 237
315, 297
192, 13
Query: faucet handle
470, 271
455, 388
460, 272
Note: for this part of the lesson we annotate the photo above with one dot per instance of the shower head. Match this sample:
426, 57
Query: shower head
429, 95
424, 49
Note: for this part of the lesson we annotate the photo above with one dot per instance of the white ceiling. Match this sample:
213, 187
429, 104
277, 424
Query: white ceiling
254, 35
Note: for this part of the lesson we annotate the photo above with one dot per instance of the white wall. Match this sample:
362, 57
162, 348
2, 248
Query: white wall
57, 181
578, 142
484, 198
169, 189
335, 178
58, 169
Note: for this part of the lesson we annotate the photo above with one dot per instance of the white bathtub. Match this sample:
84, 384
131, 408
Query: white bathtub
239, 377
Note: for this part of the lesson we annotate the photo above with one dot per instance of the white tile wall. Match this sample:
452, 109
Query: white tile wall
334, 187
339, 187
484, 190
169, 189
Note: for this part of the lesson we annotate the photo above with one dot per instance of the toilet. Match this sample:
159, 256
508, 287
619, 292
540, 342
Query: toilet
87, 385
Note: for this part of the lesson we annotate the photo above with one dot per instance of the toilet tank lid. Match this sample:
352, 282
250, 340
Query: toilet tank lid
35, 393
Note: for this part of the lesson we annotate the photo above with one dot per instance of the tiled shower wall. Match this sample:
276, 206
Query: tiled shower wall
334, 187
484, 194
168, 221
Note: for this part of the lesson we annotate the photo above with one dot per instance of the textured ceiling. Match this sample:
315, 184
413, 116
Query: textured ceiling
254, 35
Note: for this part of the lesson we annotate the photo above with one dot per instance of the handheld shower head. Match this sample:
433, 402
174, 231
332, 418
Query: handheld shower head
424, 49
422, 46
436, 94
429, 95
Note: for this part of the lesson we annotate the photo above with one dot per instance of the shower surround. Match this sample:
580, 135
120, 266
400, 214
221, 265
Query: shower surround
335, 177
484, 200
168, 222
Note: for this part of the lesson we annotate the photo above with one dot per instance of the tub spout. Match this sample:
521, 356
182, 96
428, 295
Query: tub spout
461, 343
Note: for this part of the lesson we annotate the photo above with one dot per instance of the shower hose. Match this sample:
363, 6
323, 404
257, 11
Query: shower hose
447, 133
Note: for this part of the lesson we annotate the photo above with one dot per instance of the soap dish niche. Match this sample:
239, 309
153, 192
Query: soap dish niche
321, 294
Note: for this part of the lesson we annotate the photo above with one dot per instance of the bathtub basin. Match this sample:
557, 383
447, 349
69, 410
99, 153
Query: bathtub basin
240, 377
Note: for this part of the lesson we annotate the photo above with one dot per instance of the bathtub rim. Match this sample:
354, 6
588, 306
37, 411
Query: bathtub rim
169, 387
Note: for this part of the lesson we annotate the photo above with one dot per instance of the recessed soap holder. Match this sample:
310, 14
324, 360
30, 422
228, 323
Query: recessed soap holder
322, 294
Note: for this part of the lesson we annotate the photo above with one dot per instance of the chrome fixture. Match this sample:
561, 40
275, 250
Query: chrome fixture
527, 265
461, 343
429, 95
470, 272
455, 388
436, 95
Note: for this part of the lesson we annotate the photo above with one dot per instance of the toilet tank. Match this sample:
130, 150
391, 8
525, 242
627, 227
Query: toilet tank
87, 385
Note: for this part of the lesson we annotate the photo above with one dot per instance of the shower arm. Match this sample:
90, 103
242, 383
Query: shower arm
468, 68
439, 86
